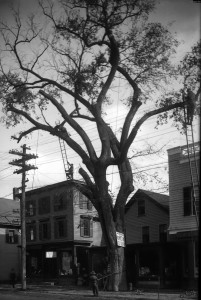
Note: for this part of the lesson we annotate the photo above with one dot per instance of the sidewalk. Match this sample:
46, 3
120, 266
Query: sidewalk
81, 292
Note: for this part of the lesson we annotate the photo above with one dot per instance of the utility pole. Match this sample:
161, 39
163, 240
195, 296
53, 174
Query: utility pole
24, 167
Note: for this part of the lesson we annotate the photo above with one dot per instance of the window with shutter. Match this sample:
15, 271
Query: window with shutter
82, 227
86, 226
11, 236
30, 208
91, 228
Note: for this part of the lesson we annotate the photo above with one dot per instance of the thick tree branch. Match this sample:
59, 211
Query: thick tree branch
73, 124
125, 147
63, 135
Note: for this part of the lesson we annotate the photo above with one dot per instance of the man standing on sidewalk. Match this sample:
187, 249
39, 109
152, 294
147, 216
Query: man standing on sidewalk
94, 283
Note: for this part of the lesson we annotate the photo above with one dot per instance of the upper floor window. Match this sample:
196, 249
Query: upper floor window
163, 232
141, 207
145, 234
44, 230
60, 201
189, 208
11, 236
44, 205
86, 226
30, 208
31, 232
84, 202
60, 227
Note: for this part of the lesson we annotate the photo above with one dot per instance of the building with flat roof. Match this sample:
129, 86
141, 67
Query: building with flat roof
184, 189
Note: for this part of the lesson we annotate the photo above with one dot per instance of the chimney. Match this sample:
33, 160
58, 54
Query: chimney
16, 192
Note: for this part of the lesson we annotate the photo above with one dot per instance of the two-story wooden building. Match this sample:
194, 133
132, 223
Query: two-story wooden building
9, 238
61, 226
184, 209
149, 254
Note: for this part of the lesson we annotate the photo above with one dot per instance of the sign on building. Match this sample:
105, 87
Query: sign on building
120, 239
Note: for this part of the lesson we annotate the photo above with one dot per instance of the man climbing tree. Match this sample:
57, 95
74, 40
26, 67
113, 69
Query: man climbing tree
190, 106
74, 53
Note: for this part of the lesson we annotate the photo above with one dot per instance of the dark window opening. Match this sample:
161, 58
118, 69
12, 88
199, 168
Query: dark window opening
44, 230
141, 207
145, 234
163, 232
60, 201
44, 205
60, 228
189, 208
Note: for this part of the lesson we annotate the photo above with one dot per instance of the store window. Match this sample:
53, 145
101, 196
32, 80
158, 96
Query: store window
66, 263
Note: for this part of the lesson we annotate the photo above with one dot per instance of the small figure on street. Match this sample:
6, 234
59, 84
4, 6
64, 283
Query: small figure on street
13, 277
94, 283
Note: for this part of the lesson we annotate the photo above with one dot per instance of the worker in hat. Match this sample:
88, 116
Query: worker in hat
94, 283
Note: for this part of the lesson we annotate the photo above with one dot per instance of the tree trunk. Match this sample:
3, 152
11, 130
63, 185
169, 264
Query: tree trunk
117, 263
116, 253
110, 225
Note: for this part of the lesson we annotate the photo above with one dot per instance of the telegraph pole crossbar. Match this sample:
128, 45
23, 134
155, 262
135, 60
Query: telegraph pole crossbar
24, 168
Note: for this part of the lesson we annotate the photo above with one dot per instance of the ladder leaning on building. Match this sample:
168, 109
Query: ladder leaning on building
189, 109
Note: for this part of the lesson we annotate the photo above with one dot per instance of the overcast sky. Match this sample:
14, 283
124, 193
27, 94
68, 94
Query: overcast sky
184, 15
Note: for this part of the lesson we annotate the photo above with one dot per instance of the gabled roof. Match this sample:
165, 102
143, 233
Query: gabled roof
9, 213
66, 183
159, 199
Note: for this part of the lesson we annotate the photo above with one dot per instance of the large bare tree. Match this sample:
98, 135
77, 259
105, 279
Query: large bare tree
74, 53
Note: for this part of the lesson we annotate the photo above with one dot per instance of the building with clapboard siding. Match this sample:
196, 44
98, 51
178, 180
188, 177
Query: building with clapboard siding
184, 208
151, 258
60, 229
9, 238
